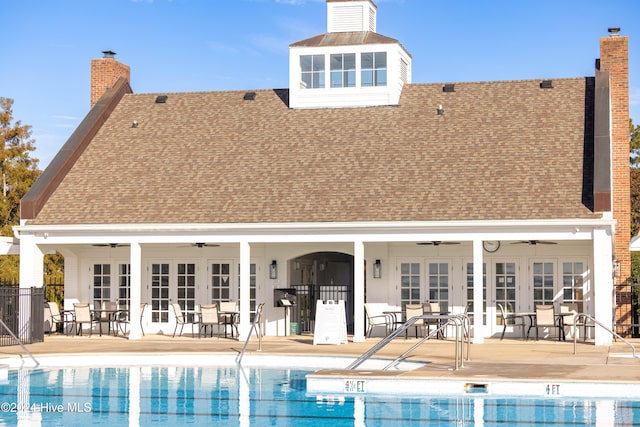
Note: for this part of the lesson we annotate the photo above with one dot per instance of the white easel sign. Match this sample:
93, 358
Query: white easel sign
331, 323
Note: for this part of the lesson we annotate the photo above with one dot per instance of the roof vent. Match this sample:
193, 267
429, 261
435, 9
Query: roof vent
162, 99
546, 84
449, 87
249, 96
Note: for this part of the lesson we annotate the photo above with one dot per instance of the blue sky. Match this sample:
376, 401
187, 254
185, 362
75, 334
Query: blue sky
210, 45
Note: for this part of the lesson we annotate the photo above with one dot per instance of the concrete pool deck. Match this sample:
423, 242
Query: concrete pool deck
507, 360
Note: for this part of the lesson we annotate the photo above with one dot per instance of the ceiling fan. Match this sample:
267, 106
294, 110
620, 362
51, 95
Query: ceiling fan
534, 242
110, 245
203, 245
437, 243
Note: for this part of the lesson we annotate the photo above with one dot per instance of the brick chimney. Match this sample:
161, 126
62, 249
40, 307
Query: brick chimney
614, 58
104, 73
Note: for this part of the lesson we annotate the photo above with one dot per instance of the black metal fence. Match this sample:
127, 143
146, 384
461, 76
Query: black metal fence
22, 311
304, 312
628, 310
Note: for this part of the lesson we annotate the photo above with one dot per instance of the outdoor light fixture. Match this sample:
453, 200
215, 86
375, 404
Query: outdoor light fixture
440, 110
273, 270
377, 273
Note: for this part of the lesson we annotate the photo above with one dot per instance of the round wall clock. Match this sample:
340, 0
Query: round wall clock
491, 246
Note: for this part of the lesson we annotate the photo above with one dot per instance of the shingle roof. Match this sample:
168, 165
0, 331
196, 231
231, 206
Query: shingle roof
502, 150
345, 39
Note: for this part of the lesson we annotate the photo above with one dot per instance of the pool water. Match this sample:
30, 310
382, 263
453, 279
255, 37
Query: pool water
232, 396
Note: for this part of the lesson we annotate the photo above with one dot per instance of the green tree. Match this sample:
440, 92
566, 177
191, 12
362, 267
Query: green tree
18, 170
634, 144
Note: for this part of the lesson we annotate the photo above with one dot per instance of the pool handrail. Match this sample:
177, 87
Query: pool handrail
586, 316
460, 321
257, 318
4, 325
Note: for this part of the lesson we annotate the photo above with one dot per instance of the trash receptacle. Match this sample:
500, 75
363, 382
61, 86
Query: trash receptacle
294, 328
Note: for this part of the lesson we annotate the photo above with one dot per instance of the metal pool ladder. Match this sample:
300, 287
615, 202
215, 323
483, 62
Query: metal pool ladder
584, 317
4, 325
255, 327
459, 321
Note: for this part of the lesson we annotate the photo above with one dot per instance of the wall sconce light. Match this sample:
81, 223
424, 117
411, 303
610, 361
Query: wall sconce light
440, 110
617, 269
377, 272
296, 265
273, 270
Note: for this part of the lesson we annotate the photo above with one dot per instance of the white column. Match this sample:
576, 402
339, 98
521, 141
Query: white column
358, 291
478, 327
135, 331
603, 291
245, 295
31, 263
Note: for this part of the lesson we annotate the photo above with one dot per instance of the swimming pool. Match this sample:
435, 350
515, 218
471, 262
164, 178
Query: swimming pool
232, 396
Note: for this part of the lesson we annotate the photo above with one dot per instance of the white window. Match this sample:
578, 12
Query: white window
439, 284
343, 70
374, 68
543, 282
410, 283
573, 283
220, 281
124, 286
312, 68
187, 287
101, 283
160, 293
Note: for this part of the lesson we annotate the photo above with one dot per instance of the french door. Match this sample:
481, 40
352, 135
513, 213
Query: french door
425, 280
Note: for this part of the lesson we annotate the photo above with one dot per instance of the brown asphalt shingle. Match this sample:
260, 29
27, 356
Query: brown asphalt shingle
502, 150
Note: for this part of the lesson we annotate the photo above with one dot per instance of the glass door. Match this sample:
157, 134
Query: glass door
505, 283
186, 280
160, 289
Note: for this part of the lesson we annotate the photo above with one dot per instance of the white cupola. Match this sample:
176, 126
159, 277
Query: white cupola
351, 15
351, 65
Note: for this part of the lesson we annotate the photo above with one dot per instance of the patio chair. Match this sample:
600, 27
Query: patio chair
82, 315
413, 310
53, 317
181, 320
108, 313
510, 319
376, 318
228, 316
432, 308
546, 318
209, 317
124, 319
569, 320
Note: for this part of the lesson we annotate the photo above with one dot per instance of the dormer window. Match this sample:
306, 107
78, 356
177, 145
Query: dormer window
374, 68
343, 70
312, 67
